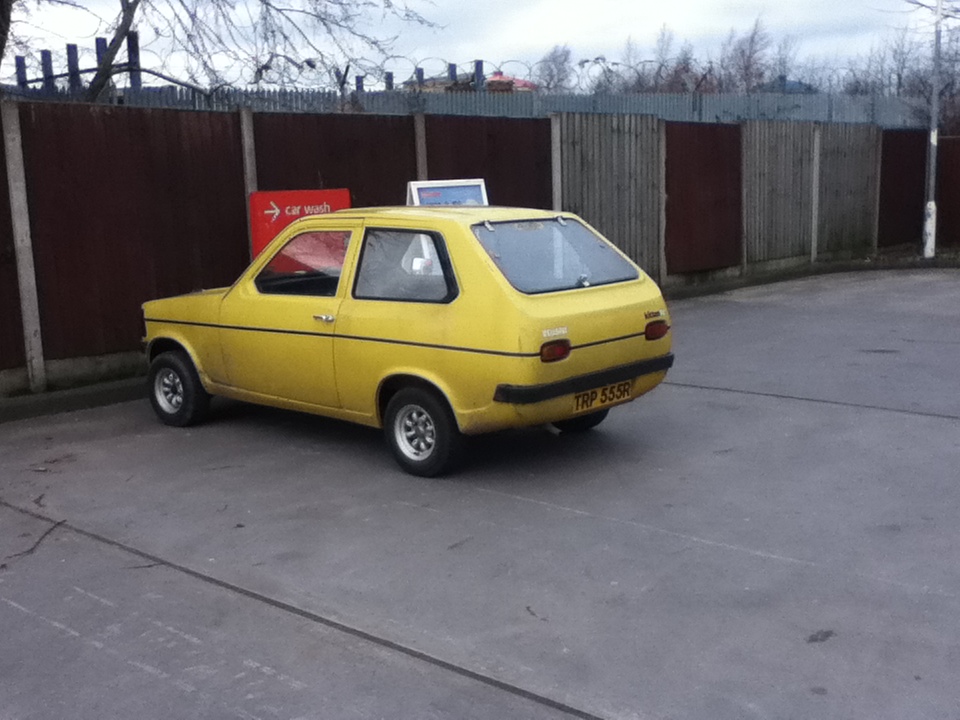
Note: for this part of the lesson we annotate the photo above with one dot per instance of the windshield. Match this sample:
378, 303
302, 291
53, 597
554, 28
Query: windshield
539, 256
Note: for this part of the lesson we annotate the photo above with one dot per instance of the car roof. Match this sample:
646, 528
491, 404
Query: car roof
459, 213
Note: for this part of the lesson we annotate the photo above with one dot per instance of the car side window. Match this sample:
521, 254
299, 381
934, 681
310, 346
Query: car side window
309, 264
404, 265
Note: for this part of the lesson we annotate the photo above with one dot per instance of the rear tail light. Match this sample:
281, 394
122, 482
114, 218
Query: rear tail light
554, 350
656, 329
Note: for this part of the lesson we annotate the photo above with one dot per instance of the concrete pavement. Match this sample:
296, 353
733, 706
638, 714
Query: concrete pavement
771, 534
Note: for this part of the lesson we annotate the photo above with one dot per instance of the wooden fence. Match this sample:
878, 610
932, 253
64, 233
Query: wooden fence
127, 205
612, 176
902, 187
11, 329
948, 207
704, 212
512, 155
849, 190
373, 155
119, 205
779, 190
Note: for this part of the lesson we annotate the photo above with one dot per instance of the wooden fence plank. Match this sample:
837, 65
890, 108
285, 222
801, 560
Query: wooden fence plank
11, 328
704, 219
613, 179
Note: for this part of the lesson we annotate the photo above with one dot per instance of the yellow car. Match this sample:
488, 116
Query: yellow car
429, 322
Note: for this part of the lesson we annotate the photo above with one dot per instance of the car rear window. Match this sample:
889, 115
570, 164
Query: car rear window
539, 256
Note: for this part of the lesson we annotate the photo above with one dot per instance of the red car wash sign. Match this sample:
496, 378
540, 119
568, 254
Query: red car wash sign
271, 212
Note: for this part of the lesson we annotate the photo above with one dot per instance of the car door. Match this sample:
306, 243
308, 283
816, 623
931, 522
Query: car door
398, 313
277, 327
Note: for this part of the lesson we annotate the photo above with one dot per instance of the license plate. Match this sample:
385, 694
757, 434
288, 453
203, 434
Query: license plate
602, 397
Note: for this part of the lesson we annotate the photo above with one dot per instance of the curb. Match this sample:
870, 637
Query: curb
718, 286
80, 398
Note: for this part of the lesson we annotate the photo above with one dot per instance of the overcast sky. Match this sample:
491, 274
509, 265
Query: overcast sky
498, 30
524, 30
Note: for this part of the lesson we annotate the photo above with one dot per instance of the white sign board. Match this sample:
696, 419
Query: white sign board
447, 192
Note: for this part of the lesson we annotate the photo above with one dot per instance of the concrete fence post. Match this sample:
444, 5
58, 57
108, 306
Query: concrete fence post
662, 200
746, 137
420, 137
249, 150
875, 230
815, 194
556, 160
23, 246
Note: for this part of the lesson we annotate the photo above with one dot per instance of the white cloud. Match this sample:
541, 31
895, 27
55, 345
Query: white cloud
524, 30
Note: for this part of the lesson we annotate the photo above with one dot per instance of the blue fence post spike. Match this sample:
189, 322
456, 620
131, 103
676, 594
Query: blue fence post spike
21, 63
133, 59
46, 63
101, 49
73, 68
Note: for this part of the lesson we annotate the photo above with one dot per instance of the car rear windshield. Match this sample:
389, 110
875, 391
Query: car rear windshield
539, 256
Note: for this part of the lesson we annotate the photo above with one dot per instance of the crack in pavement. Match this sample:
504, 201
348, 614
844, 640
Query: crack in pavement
46, 533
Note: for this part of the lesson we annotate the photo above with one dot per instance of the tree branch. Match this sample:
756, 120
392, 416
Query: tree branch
104, 69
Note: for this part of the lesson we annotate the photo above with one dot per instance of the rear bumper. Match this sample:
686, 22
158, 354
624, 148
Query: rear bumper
528, 394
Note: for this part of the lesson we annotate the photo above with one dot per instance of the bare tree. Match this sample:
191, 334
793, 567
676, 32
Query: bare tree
950, 89
635, 70
868, 75
785, 57
665, 72
128, 10
745, 59
18, 14
6, 12
211, 43
554, 71
661, 55
681, 76
951, 8
904, 55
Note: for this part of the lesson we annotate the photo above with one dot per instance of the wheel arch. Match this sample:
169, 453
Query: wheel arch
166, 343
392, 384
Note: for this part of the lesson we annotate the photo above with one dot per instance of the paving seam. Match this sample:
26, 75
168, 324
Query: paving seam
841, 403
318, 619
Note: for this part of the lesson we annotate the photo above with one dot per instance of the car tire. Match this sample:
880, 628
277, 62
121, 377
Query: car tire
581, 423
422, 432
176, 393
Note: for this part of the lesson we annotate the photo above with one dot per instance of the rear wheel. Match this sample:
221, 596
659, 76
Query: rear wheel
176, 393
581, 423
422, 432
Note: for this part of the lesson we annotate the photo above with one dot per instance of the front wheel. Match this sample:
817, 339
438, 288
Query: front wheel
422, 432
582, 423
176, 393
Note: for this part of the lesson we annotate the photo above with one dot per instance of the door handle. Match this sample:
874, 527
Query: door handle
324, 318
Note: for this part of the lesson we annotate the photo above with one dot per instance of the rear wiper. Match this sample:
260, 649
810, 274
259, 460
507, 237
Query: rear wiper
583, 281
